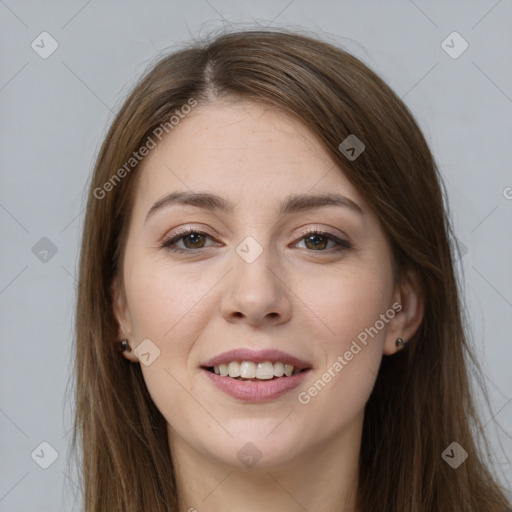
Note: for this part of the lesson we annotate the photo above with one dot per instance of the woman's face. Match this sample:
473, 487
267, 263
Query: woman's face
253, 278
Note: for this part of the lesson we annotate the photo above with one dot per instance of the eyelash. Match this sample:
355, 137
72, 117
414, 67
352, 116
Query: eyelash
342, 244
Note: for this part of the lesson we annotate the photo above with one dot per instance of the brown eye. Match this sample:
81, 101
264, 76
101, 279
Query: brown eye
195, 240
191, 240
317, 241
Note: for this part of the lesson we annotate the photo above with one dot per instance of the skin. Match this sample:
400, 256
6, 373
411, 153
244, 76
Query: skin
311, 302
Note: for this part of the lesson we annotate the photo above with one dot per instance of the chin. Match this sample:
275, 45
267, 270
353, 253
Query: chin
256, 451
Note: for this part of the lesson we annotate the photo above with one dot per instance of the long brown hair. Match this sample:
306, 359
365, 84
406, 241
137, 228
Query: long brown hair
422, 399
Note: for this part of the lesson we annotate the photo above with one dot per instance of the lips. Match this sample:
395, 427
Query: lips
256, 392
243, 354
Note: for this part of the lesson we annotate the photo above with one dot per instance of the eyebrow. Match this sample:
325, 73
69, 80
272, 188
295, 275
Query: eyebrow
292, 204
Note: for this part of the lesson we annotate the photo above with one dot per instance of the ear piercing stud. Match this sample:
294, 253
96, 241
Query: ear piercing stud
125, 346
399, 342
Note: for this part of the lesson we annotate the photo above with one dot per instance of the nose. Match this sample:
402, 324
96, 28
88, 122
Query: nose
256, 291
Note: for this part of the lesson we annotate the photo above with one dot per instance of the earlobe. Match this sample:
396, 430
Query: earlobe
126, 350
409, 293
121, 316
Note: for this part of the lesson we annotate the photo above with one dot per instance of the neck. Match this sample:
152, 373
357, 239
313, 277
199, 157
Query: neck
323, 478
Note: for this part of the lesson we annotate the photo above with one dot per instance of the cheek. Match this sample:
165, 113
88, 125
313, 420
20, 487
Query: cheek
165, 305
345, 303
351, 336
169, 308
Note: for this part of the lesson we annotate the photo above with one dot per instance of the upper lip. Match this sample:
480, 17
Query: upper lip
260, 356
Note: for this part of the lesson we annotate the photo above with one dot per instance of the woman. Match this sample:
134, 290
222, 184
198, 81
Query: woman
267, 245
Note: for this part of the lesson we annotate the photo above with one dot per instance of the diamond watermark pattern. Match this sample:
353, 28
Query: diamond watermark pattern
454, 45
146, 352
249, 249
454, 455
352, 147
249, 455
44, 250
44, 45
44, 455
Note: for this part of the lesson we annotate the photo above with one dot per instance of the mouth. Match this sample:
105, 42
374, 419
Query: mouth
255, 382
256, 376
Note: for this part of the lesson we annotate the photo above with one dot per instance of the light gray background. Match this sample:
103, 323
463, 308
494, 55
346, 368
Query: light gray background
54, 113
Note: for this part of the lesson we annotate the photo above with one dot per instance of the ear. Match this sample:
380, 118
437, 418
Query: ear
408, 293
122, 316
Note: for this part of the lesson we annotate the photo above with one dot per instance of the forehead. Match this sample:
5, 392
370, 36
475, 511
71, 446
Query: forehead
244, 151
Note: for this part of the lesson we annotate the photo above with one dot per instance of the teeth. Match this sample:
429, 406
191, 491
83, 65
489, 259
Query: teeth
278, 369
250, 370
265, 371
234, 369
288, 369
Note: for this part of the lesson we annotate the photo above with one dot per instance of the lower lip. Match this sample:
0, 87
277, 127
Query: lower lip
256, 391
